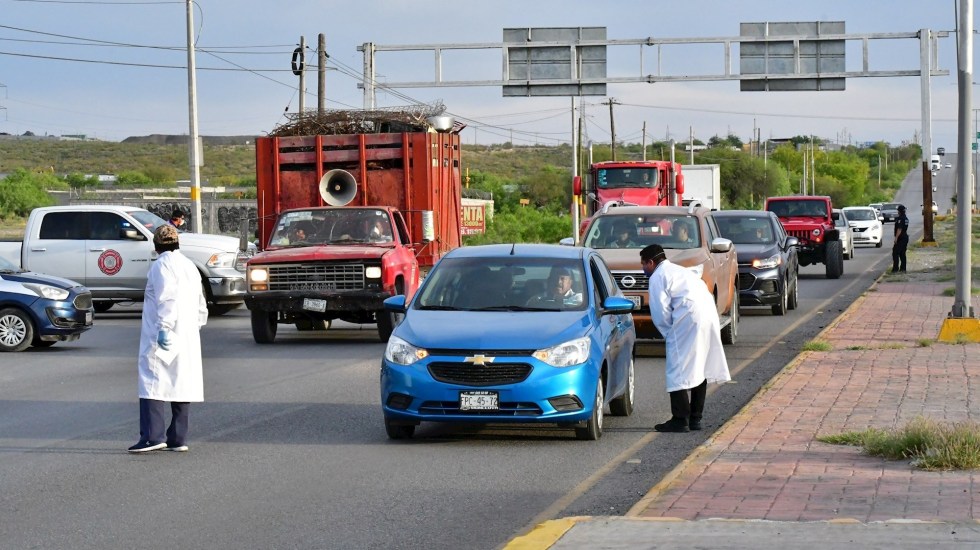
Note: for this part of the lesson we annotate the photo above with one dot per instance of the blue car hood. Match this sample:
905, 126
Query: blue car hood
493, 330
31, 277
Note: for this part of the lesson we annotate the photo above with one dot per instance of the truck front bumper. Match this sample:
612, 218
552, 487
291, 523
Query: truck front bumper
227, 286
305, 302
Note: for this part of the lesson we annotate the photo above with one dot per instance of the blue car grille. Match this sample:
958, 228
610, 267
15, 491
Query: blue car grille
505, 409
491, 374
83, 301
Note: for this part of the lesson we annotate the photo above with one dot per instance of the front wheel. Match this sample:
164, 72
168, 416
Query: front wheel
16, 330
623, 405
592, 430
264, 326
834, 260
398, 431
730, 332
878, 244
783, 305
794, 296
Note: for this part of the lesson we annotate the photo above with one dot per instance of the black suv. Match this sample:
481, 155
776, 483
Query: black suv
768, 267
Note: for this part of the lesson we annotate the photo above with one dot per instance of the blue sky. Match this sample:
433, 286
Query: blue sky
67, 67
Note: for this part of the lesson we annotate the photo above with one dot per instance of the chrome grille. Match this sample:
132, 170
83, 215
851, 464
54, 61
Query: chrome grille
491, 374
640, 281
316, 276
83, 301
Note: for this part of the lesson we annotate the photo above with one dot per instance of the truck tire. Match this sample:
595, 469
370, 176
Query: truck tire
386, 324
264, 326
16, 330
834, 260
729, 333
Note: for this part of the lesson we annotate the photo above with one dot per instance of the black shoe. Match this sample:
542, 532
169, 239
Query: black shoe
694, 425
144, 446
677, 425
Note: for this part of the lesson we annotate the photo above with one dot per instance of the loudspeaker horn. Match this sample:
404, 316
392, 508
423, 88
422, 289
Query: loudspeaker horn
338, 187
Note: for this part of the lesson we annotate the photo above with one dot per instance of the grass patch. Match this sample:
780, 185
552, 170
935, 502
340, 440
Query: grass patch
929, 444
946, 277
951, 291
892, 345
817, 345
856, 348
924, 342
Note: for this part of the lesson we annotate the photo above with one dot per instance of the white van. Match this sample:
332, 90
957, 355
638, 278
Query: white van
935, 164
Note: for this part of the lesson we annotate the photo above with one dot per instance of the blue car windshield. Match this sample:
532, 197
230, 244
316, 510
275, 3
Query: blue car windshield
504, 284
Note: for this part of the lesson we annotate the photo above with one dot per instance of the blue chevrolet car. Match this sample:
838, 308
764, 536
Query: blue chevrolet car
511, 333
40, 310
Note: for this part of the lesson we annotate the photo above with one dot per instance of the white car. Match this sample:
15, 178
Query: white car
844, 228
865, 226
948, 165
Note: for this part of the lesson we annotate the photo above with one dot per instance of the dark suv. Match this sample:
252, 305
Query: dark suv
768, 266
810, 220
889, 211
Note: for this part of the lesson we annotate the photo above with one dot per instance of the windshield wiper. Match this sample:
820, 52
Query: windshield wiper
438, 308
513, 308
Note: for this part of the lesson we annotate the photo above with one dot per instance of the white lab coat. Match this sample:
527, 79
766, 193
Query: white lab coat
684, 312
174, 301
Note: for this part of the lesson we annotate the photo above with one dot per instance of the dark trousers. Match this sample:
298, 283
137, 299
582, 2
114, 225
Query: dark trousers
152, 422
898, 253
689, 404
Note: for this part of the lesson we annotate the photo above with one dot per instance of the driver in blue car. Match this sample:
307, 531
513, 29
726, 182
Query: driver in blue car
559, 290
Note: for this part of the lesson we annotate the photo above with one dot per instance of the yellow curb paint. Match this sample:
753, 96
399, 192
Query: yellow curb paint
955, 331
545, 534
844, 521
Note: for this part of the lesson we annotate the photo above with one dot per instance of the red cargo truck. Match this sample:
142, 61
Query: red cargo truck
630, 183
376, 211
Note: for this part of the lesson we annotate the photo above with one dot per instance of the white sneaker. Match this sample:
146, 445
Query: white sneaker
179, 449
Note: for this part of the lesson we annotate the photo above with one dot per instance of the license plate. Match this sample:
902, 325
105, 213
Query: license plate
88, 317
635, 300
478, 400
313, 304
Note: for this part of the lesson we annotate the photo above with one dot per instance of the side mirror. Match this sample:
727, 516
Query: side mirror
719, 244
792, 241
567, 241
395, 303
131, 234
616, 305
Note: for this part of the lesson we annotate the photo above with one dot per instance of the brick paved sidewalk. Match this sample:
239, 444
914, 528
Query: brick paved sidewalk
766, 462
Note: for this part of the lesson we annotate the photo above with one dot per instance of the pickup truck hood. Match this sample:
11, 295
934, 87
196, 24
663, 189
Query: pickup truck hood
632, 195
208, 243
319, 253
620, 259
808, 221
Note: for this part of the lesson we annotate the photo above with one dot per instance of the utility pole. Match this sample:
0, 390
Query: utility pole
691, 142
302, 75
644, 140
321, 70
194, 141
612, 125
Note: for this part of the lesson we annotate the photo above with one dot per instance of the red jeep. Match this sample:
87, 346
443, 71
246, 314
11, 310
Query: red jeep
810, 219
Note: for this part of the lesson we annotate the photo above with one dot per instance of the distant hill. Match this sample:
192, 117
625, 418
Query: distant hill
163, 139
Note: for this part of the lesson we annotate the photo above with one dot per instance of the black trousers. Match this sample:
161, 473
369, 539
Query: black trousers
689, 404
898, 253
152, 422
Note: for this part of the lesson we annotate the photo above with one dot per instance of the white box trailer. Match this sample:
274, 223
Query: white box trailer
702, 184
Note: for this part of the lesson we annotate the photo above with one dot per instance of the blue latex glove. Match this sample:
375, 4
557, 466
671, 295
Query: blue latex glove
165, 339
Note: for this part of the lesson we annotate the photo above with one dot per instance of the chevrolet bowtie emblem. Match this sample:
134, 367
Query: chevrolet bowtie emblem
479, 360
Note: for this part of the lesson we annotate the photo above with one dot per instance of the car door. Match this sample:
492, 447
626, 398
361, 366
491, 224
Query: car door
613, 328
58, 245
117, 255
725, 268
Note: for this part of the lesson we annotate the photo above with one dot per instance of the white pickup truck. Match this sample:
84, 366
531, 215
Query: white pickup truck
109, 250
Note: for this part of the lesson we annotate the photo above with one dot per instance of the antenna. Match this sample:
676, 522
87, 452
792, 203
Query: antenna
512, 248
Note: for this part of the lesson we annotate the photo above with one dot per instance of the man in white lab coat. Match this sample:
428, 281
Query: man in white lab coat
170, 370
684, 312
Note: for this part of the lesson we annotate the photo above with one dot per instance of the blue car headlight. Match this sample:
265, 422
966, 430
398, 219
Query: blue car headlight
768, 263
573, 352
47, 291
401, 352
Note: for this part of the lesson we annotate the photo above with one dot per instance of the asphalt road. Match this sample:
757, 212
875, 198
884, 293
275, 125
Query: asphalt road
289, 449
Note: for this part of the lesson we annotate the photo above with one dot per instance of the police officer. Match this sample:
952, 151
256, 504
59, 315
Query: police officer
901, 240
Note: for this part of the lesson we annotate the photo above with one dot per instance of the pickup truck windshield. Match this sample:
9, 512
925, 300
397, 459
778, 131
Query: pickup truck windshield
332, 226
667, 230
